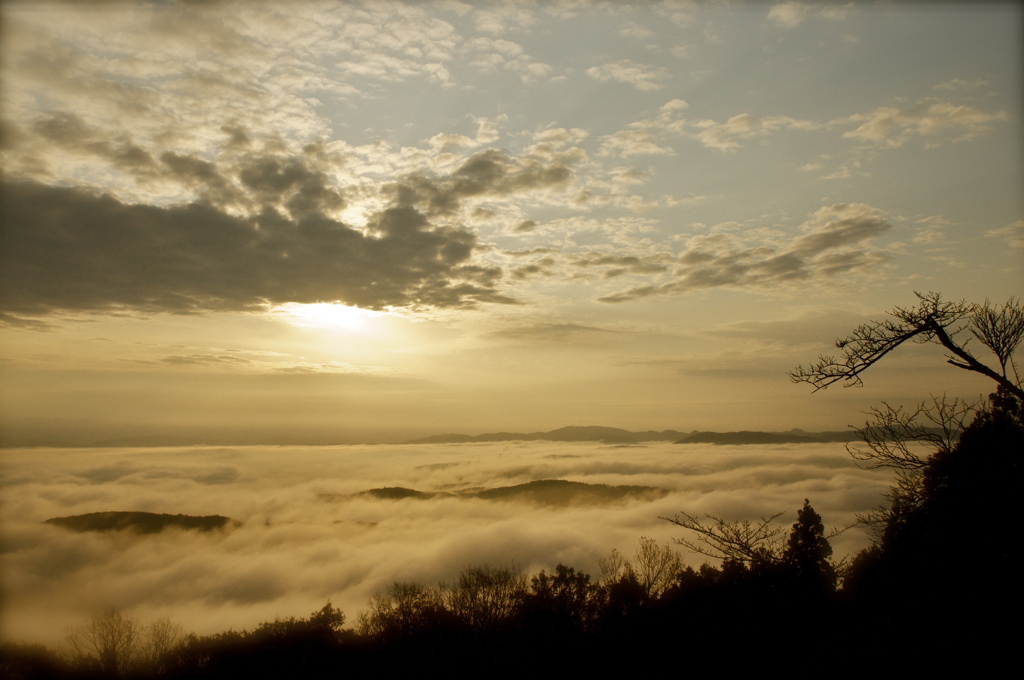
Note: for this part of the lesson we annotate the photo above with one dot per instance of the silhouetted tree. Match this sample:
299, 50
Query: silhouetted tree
808, 551
744, 542
486, 598
31, 662
946, 547
950, 554
280, 648
653, 567
656, 567
405, 610
567, 594
623, 612
999, 328
558, 611
892, 438
159, 639
108, 641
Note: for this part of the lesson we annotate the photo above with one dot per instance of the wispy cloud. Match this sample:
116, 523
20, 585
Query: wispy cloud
1013, 234
892, 127
634, 142
640, 76
832, 245
728, 136
788, 14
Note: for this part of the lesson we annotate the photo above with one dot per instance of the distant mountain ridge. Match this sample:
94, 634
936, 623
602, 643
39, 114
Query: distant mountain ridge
551, 492
614, 435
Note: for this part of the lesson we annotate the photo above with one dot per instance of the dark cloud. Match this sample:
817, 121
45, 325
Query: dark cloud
71, 132
489, 173
298, 185
531, 251
830, 246
617, 265
14, 321
305, 191
71, 249
201, 176
540, 267
262, 227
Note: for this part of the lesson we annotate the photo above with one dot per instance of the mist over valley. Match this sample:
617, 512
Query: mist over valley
343, 522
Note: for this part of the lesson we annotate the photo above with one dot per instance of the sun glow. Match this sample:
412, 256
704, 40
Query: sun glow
327, 315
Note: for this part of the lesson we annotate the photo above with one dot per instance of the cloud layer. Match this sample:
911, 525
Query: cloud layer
189, 158
306, 540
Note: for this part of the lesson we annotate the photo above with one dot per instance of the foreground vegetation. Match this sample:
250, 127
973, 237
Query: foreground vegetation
937, 586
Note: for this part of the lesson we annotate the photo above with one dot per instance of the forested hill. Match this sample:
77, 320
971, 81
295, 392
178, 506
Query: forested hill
614, 435
141, 522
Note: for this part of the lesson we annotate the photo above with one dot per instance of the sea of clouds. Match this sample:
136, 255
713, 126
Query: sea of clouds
308, 537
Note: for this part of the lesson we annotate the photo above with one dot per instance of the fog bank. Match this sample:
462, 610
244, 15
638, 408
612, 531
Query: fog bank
307, 537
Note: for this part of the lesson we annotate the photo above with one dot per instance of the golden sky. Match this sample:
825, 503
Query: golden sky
292, 222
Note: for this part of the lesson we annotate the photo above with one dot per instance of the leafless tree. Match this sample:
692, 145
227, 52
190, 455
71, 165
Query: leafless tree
159, 637
890, 437
893, 435
613, 567
902, 497
752, 543
1000, 328
119, 645
656, 566
109, 640
486, 597
402, 611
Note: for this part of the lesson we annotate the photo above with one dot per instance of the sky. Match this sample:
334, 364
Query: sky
307, 536
295, 222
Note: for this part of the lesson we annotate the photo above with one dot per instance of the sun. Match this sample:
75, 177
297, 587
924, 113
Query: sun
327, 315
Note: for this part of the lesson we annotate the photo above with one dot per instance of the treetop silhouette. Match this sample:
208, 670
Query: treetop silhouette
808, 550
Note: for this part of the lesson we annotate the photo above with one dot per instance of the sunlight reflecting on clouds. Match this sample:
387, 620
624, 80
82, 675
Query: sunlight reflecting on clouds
330, 315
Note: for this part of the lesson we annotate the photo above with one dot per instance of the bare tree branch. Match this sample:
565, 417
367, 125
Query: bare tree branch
999, 328
743, 541
887, 440
902, 497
